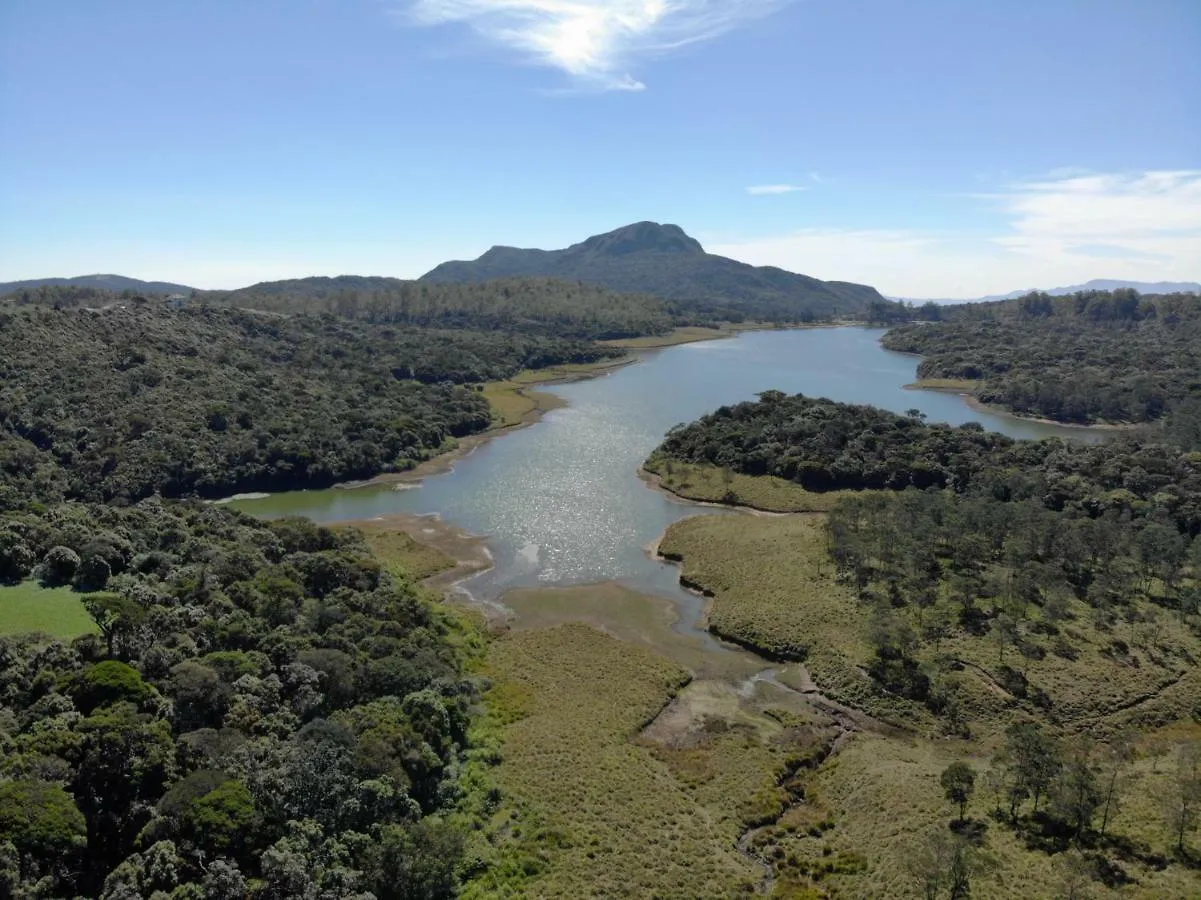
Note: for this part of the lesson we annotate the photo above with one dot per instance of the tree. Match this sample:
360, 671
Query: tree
958, 782
1115, 760
1076, 874
93, 574
1077, 796
59, 565
16, 559
107, 683
941, 861
115, 615
40, 819
1182, 805
1030, 760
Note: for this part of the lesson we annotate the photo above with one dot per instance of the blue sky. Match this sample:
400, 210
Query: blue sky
932, 148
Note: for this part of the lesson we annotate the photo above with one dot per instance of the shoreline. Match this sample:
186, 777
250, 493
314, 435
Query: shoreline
994, 409
654, 481
543, 403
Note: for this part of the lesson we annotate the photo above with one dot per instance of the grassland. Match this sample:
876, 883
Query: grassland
29, 607
687, 335
402, 554
710, 484
952, 385
773, 587
588, 812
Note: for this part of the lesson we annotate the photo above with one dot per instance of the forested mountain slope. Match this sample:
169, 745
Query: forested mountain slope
137, 399
662, 260
1094, 355
527, 305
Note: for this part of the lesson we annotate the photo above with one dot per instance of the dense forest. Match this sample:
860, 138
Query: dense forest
262, 713
519, 305
1090, 356
524, 305
824, 445
136, 399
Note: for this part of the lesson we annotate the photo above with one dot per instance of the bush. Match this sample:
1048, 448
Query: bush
59, 566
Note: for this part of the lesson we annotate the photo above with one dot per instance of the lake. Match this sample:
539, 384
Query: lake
561, 502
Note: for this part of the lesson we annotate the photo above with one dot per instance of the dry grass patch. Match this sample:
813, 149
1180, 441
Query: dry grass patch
403, 555
774, 590
711, 484
586, 811
954, 385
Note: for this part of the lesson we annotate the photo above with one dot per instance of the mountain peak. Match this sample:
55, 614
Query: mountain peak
642, 236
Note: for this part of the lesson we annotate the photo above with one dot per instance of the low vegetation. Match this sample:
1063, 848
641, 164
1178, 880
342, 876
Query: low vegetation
29, 607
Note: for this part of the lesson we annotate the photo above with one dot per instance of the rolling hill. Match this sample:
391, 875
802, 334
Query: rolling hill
115, 283
663, 260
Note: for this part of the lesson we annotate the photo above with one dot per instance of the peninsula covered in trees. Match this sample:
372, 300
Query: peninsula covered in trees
1092, 356
1037, 603
133, 399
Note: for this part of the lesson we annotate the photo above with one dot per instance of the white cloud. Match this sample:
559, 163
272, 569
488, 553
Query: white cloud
594, 41
1061, 230
759, 190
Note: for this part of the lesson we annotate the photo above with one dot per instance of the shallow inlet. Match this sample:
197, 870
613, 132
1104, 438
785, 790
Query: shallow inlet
561, 503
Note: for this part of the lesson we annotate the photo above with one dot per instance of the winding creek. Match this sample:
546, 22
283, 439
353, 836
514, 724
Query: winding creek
561, 503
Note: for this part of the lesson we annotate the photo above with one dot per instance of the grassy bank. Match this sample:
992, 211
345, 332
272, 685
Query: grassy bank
710, 484
952, 385
29, 607
518, 402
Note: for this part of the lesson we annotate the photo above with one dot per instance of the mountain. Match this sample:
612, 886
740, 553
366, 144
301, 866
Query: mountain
663, 260
115, 283
1109, 284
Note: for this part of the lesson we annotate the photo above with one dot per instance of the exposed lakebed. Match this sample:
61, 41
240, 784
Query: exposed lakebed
561, 502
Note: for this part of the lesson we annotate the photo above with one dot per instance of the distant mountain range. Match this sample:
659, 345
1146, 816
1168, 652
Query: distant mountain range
1109, 284
1097, 284
663, 260
101, 282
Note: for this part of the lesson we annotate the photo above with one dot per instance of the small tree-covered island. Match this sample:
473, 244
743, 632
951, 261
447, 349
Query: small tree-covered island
933, 661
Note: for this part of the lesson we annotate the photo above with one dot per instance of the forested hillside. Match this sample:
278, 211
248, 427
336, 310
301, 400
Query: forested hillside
1090, 356
138, 399
664, 261
114, 283
262, 713
526, 305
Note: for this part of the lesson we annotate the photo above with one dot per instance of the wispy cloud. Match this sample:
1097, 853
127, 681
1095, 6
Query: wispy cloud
594, 41
760, 190
1067, 228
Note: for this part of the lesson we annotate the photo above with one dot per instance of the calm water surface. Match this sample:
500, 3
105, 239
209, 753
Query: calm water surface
561, 502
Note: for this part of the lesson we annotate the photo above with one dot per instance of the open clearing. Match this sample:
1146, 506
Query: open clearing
29, 607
